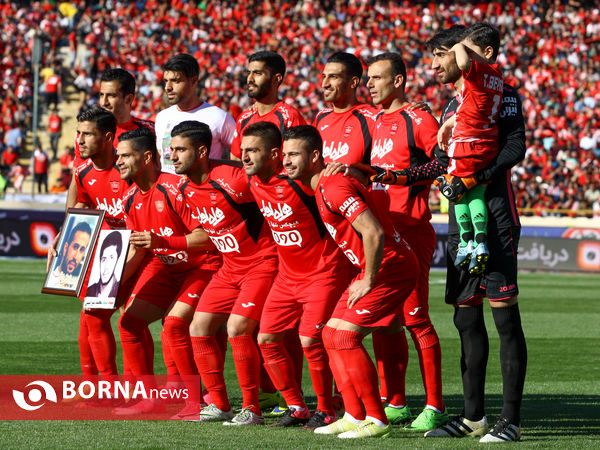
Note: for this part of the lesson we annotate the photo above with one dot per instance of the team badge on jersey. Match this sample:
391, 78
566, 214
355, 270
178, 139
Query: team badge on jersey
347, 131
114, 186
213, 197
394, 128
160, 205
279, 190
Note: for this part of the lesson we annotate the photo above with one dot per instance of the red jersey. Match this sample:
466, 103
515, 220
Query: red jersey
163, 211
479, 100
54, 123
225, 208
283, 115
132, 124
52, 84
347, 136
291, 211
103, 189
341, 200
405, 139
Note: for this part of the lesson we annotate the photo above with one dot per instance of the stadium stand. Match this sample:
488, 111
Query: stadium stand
550, 51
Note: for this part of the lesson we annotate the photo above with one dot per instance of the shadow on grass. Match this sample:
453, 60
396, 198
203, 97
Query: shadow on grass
541, 415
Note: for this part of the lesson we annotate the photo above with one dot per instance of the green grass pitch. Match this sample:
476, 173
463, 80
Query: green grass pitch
561, 407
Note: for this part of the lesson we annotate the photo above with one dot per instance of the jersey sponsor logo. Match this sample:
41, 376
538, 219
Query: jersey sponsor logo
324, 127
91, 182
160, 205
165, 231
360, 312
349, 206
335, 152
381, 147
287, 238
352, 257
397, 237
280, 212
174, 258
226, 243
414, 311
114, 209
331, 229
509, 107
114, 186
213, 217
248, 305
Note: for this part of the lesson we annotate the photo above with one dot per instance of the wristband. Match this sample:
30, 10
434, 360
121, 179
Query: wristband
173, 242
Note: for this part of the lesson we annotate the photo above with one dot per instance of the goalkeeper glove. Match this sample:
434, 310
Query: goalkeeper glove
454, 188
384, 176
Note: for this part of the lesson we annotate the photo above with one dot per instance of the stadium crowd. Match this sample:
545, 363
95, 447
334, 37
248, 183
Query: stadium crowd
550, 51
245, 247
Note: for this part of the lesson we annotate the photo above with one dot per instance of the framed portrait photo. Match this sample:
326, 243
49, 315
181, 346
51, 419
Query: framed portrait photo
107, 269
74, 251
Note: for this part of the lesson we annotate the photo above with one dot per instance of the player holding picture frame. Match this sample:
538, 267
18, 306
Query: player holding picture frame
68, 268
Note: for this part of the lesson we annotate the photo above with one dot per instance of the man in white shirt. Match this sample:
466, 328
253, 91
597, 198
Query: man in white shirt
181, 82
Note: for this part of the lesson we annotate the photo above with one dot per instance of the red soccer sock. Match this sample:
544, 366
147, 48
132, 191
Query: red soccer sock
352, 403
134, 336
429, 350
222, 343
208, 359
393, 360
361, 372
177, 331
280, 369
86, 357
378, 351
294, 349
247, 365
102, 340
321, 377
172, 372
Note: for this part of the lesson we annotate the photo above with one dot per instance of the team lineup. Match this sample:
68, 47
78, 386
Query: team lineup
293, 241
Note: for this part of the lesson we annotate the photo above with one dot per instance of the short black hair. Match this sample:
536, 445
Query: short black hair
183, 63
307, 133
104, 120
81, 226
267, 131
350, 62
113, 238
141, 139
197, 132
398, 66
125, 79
273, 61
482, 34
446, 39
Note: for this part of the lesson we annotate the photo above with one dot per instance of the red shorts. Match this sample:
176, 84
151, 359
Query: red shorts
309, 302
422, 241
466, 158
384, 302
243, 294
159, 285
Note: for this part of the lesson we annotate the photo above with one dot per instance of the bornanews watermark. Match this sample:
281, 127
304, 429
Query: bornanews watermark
67, 397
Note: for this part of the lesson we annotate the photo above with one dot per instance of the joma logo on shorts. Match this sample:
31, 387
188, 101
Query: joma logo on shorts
507, 288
